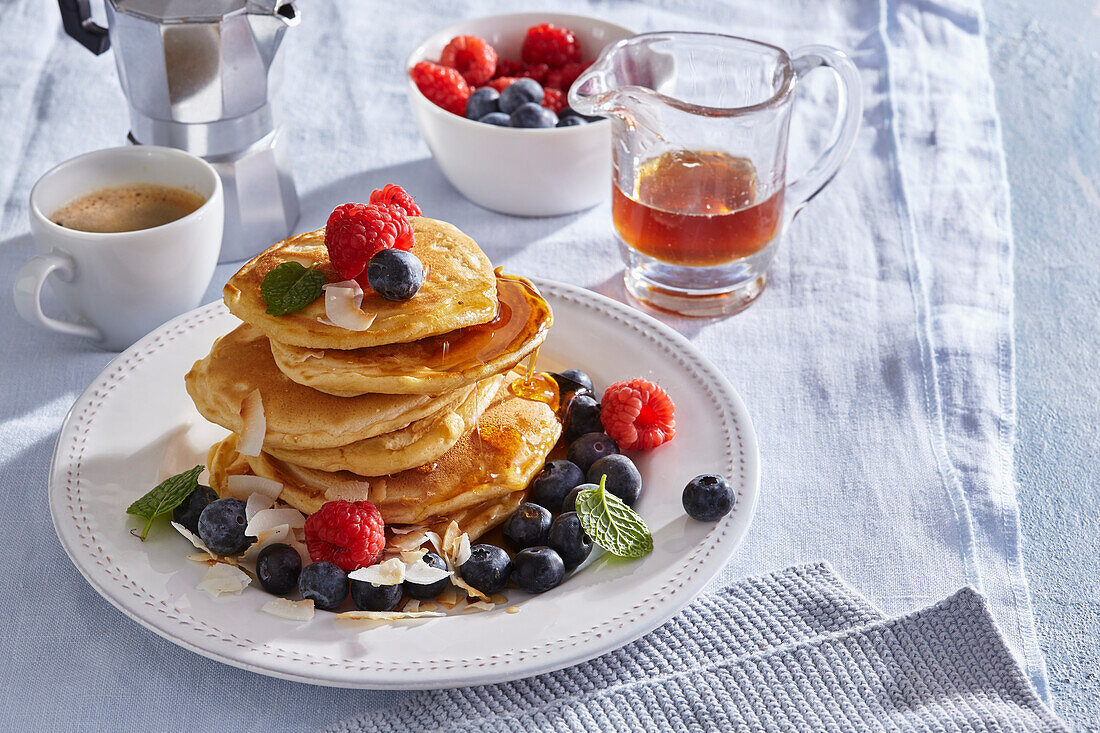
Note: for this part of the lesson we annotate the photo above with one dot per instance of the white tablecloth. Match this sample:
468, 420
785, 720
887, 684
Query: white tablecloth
878, 365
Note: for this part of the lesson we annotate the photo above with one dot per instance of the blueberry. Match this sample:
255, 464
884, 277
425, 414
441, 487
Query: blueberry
623, 478
278, 567
371, 597
582, 416
527, 526
555, 480
590, 447
571, 121
574, 380
569, 504
568, 539
188, 512
395, 274
496, 118
325, 583
482, 102
570, 112
519, 92
537, 569
708, 497
533, 115
487, 569
431, 590
221, 527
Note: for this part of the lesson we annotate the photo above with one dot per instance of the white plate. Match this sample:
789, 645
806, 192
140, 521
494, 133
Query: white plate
136, 424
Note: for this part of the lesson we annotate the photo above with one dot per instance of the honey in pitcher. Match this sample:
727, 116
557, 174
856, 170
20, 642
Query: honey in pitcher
699, 208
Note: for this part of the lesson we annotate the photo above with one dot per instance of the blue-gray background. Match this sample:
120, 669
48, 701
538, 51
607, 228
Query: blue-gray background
1046, 66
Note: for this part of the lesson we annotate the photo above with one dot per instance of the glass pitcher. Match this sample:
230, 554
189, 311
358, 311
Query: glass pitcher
700, 122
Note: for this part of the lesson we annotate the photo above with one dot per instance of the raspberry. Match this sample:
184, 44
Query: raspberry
551, 45
472, 57
570, 72
553, 100
538, 72
350, 535
396, 197
508, 67
354, 232
553, 79
502, 82
443, 86
638, 414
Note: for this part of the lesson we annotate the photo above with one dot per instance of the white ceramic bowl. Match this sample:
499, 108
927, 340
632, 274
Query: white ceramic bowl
524, 172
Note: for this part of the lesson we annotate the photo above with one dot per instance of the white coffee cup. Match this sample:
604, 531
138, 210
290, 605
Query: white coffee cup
121, 285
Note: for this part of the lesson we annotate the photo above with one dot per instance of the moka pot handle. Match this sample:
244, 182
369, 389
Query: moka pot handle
76, 16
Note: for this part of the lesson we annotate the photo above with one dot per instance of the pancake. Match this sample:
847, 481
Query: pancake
459, 290
433, 365
420, 443
475, 520
480, 518
297, 417
494, 461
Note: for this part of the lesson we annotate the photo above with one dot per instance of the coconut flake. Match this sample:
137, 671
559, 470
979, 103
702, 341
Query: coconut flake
421, 573
470, 590
222, 578
290, 610
387, 615
193, 538
411, 556
436, 540
269, 518
245, 485
462, 551
199, 557
450, 537
479, 606
263, 539
343, 301
253, 425
404, 530
257, 503
303, 551
411, 606
352, 491
390, 572
404, 543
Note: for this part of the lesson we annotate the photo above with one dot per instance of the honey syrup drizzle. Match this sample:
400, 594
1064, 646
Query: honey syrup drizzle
537, 386
521, 315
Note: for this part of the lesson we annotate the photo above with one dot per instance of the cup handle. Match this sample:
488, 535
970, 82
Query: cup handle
849, 107
28, 294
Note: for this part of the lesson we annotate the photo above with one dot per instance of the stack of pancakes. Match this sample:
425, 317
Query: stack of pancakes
416, 414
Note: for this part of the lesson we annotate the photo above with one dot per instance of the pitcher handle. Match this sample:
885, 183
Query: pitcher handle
849, 105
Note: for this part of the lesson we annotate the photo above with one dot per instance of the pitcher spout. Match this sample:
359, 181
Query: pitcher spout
626, 75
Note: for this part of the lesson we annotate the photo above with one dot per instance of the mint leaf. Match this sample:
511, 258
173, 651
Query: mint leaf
612, 524
166, 496
291, 287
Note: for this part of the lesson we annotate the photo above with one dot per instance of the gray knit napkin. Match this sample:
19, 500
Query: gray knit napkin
794, 650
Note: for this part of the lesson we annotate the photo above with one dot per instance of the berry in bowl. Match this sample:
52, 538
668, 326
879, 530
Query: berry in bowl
470, 80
